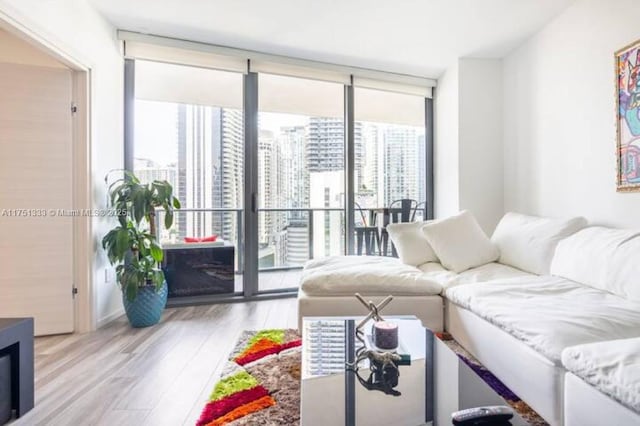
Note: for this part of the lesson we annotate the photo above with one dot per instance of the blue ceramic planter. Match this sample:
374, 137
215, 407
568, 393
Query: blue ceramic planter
146, 309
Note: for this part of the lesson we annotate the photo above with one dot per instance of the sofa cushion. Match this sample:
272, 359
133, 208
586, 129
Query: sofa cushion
410, 243
370, 275
587, 257
489, 272
459, 242
612, 367
548, 313
623, 276
528, 242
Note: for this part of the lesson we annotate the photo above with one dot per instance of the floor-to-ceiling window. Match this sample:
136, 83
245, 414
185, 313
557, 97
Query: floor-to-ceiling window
318, 150
301, 175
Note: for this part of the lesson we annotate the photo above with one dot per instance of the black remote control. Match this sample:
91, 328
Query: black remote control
495, 414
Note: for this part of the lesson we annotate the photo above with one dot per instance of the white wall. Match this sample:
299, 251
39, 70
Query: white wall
446, 164
468, 141
559, 121
77, 29
480, 140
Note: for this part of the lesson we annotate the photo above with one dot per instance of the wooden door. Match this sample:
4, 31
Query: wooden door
36, 217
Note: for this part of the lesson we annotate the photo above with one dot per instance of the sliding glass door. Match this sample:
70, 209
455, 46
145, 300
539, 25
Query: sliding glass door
188, 130
301, 176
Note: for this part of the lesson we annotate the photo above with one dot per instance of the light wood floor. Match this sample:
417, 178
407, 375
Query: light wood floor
274, 280
160, 375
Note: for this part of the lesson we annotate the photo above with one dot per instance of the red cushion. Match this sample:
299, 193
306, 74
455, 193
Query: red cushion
209, 239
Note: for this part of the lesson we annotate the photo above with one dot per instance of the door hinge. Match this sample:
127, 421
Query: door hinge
74, 291
74, 108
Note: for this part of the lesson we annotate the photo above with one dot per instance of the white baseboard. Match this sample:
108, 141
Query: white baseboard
109, 318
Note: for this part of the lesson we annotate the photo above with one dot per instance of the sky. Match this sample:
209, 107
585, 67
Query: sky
156, 134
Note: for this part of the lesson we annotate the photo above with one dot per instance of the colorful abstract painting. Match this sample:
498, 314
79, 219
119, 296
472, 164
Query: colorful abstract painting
628, 116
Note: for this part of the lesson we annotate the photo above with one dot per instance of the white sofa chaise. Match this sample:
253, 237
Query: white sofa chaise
556, 285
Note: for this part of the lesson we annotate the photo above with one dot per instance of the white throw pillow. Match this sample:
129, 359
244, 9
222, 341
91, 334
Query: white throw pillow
460, 243
529, 242
412, 246
586, 257
624, 270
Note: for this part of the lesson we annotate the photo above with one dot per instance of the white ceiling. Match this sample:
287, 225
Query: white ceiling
420, 37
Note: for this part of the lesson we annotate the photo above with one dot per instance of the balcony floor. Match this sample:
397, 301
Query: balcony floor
274, 280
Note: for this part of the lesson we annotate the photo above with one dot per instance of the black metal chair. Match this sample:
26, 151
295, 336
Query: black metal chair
420, 206
367, 235
403, 210
407, 208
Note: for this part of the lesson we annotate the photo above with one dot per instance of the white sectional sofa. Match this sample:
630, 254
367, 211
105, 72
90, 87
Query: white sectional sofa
557, 291
611, 368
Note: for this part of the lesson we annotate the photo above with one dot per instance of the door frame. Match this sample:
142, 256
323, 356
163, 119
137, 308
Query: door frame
84, 301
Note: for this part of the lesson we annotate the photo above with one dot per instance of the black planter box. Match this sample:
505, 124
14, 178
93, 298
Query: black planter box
199, 269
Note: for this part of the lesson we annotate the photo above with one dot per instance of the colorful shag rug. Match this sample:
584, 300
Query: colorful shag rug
260, 384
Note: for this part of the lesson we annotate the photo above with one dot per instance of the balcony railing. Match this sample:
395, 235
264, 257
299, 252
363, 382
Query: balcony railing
229, 226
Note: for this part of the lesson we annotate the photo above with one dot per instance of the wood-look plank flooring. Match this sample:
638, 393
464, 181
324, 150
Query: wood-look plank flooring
160, 375
274, 280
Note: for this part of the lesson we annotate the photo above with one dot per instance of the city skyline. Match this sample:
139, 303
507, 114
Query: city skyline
301, 165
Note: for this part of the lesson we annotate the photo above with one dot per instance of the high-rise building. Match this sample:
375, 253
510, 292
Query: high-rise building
400, 163
328, 232
232, 169
147, 171
210, 168
325, 162
267, 180
292, 184
325, 150
326, 144
292, 147
297, 249
368, 185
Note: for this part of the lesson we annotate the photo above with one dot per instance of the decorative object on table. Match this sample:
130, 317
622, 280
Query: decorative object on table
383, 360
385, 335
628, 117
132, 246
261, 382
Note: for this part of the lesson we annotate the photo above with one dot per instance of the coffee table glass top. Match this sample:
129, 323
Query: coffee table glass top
327, 344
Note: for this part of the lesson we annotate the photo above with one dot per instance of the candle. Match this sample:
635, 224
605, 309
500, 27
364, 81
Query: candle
385, 335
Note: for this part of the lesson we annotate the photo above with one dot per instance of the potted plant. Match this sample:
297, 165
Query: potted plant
132, 246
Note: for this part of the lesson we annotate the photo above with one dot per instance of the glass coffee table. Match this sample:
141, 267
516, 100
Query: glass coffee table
436, 383
332, 394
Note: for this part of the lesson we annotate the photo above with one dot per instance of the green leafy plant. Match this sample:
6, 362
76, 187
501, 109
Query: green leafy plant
131, 246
